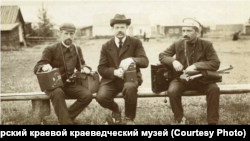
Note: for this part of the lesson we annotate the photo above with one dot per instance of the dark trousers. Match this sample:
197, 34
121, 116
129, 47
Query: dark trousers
106, 94
212, 92
67, 115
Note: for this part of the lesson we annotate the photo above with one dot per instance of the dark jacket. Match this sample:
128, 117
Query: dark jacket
110, 59
205, 57
52, 55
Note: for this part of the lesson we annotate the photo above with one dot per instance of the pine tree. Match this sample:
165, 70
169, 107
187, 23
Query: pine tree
44, 24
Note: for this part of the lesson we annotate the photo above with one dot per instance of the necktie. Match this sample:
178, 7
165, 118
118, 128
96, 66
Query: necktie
120, 43
120, 46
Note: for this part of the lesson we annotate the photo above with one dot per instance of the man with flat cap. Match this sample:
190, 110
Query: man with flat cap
116, 56
63, 55
192, 54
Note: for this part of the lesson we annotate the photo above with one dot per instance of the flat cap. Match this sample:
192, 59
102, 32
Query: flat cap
68, 27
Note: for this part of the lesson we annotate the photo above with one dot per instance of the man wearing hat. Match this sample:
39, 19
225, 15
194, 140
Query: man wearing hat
116, 55
192, 54
63, 55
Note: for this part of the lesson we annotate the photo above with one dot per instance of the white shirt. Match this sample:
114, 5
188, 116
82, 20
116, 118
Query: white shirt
117, 41
65, 45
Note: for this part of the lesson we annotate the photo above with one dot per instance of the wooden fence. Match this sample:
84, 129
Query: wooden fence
51, 40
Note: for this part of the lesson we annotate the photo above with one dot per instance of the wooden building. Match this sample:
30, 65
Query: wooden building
172, 31
12, 28
28, 28
86, 31
229, 29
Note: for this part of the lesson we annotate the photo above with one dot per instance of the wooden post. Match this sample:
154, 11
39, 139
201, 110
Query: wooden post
41, 108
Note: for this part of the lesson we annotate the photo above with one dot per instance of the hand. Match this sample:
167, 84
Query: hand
177, 65
119, 73
125, 63
85, 70
191, 68
47, 67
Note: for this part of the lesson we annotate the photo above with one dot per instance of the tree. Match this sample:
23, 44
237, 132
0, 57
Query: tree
44, 25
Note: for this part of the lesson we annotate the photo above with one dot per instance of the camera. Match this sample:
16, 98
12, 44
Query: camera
71, 78
161, 76
49, 80
130, 74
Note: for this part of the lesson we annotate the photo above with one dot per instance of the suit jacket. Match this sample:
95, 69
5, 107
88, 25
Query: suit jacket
52, 55
205, 57
110, 59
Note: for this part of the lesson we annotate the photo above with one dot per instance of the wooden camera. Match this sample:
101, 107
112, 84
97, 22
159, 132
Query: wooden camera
130, 74
161, 76
49, 80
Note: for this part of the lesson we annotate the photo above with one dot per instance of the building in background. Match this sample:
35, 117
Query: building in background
86, 31
172, 31
28, 29
12, 28
176, 30
140, 23
229, 29
247, 29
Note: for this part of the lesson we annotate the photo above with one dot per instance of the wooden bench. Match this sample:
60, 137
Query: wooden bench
41, 102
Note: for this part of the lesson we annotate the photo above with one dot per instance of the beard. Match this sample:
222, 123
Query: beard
68, 42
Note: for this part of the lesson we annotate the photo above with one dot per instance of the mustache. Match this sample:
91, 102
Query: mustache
68, 39
186, 37
120, 32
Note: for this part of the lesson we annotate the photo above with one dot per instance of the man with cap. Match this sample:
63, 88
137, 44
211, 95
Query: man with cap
63, 55
191, 55
116, 55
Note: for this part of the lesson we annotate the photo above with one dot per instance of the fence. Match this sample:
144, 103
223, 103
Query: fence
50, 40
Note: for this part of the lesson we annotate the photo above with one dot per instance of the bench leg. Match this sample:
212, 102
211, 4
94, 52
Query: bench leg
41, 108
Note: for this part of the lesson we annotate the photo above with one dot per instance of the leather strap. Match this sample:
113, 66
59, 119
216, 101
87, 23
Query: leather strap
78, 56
65, 67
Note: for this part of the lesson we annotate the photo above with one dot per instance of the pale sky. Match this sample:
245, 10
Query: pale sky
161, 12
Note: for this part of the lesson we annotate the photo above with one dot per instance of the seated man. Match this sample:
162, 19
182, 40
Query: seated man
192, 54
63, 55
116, 55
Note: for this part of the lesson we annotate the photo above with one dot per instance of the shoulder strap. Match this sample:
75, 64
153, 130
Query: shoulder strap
185, 47
78, 57
65, 67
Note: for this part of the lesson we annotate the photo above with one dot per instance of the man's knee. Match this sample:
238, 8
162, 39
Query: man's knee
173, 91
101, 98
130, 86
88, 96
85, 96
213, 89
56, 93
130, 92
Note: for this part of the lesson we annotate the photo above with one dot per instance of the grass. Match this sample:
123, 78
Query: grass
17, 76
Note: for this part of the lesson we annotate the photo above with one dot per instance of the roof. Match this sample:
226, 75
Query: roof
8, 27
9, 14
85, 27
